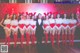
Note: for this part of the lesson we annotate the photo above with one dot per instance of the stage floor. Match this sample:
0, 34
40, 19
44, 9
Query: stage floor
46, 49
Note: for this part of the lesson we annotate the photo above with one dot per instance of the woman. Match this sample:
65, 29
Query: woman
27, 24
33, 29
7, 24
58, 27
65, 28
46, 27
52, 28
72, 25
14, 28
22, 28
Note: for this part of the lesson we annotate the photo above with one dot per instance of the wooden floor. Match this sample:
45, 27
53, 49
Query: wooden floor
45, 49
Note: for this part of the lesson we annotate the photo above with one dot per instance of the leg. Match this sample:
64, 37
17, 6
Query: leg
22, 37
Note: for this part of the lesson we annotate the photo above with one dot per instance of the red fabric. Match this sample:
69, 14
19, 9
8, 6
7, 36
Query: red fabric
52, 25
8, 25
22, 40
64, 25
72, 39
45, 25
52, 40
33, 39
8, 40
27, 26
14, 26
46, 37
15, 39
71, 25
21, 25
28, 38
58, 39
33, 26
58, 25
63, 39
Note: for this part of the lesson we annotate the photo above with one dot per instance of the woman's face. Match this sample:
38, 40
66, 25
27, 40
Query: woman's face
7, 16
52, 16
14, 16
40, 16
65, 15
72, 15
28, 17
22, 17
33, 17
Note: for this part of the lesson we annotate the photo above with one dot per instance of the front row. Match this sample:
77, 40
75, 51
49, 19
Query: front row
54, 29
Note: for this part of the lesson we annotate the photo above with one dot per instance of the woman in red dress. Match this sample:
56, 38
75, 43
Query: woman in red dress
58, 28
52, 29
72, 25
7, 27
22, 28
14, 28
46, 27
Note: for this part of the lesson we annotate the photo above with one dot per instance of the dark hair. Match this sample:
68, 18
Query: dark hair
5, 17
13, 16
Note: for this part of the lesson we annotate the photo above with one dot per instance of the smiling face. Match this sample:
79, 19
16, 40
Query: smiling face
65, 15
52, 16
7, 16
40, 16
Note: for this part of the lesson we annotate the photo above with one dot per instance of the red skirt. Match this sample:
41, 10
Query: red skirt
8, 25
64, 25
52, 25
45, 25
33, 26
71, 25
27, 26
14, 26
21, 25
58, 25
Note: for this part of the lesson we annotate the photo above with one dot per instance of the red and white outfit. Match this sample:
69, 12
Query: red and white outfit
33, 25
52, 27
65, 23
7, 24
21, 24
33, 28
27, 24
59, 22
72, 25
52, 23
22, 28
65, 26
14, 27
27, 27
46, 27
58, 26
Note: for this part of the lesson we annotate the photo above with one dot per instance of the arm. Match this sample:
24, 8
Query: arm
1, 23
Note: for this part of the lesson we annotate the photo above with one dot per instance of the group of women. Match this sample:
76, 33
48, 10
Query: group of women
54, 29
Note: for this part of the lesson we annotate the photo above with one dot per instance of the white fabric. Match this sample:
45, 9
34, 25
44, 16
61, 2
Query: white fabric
39, 21
59, 21
46, 22
14, 22
27, 22
7, 21
22, 22
51, 21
